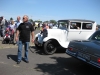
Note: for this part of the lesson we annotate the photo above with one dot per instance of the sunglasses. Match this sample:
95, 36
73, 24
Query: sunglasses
23, 18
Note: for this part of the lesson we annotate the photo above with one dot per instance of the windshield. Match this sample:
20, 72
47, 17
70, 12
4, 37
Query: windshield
63, 25
95, 36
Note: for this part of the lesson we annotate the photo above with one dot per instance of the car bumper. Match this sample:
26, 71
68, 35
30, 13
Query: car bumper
80, 58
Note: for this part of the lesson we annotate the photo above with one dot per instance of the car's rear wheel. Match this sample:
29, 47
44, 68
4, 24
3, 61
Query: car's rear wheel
49, 47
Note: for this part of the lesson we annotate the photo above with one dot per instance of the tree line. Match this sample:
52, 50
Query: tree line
50, 21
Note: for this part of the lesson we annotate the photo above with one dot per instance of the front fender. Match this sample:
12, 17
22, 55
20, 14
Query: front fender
64, 44
48, 38
40, 38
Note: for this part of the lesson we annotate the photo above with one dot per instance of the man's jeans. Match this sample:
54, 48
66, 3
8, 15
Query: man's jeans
20, 47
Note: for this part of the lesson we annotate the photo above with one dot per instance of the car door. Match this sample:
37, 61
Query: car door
74, 35
63, 36
73, 32
64, 30
87, 30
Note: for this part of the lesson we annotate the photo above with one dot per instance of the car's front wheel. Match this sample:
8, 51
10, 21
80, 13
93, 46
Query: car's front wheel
49, 47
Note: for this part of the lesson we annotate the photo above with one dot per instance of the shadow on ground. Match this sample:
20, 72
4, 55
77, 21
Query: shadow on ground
40, 51
33, 49
13, 57
67, 66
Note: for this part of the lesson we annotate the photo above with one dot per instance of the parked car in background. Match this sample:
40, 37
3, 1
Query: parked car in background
55, 27
71, 29
86, 50
36, 25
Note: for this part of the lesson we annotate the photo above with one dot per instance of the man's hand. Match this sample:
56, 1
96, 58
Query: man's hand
32, 41
16, 39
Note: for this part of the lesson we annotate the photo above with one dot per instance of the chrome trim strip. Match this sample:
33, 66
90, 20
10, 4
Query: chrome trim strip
89, 62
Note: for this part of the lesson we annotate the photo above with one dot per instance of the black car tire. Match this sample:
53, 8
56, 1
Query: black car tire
49, 47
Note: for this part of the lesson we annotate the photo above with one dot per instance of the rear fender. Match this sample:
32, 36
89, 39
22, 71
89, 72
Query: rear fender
49, 38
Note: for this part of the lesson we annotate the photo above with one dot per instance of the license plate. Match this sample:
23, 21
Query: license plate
84, 56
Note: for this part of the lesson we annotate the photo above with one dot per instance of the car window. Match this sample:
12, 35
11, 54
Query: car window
75, 25
63, 25
87, 26
96, 36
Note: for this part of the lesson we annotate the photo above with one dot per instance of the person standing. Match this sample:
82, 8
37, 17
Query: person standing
16, 26
12, 25
23, 32
45, 26
2, 26
12, 29
97, 28
18, 22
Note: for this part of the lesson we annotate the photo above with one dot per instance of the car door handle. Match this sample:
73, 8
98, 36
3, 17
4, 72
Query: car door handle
80, 32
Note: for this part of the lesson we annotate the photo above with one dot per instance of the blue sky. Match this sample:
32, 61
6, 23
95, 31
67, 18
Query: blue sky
51, 9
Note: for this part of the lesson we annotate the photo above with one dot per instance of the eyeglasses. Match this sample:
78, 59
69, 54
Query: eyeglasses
23, 18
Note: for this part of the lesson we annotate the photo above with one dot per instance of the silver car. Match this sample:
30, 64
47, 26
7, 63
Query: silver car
86, 50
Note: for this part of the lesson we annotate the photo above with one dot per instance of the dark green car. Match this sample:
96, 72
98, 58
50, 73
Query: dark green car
86, 50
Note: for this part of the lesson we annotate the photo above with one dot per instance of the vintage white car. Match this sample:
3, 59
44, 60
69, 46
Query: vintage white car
71, 29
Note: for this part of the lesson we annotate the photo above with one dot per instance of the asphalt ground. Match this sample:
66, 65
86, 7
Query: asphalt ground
40, 64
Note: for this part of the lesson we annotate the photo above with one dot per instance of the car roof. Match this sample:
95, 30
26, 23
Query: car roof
78, 20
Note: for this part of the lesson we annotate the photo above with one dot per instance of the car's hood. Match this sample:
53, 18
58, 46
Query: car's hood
55, 32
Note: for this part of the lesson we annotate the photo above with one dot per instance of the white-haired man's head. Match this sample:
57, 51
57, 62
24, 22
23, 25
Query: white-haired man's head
25, 18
